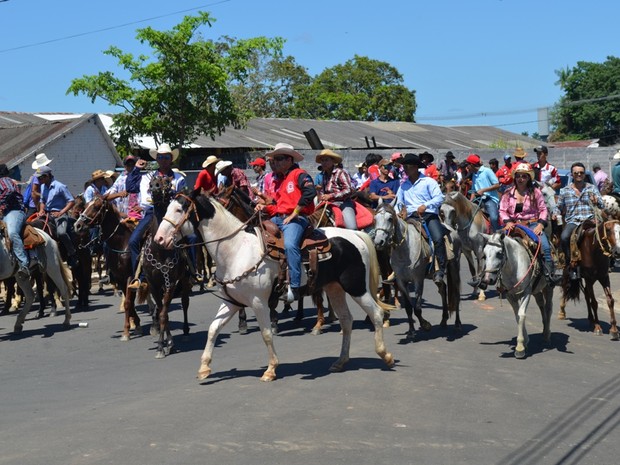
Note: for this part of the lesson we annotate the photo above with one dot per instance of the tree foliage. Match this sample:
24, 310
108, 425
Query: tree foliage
182, 91
590, 106
362, 89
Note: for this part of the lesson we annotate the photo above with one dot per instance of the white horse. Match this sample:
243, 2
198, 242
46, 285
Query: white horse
410, 259
247, 275
49, 256
511, 268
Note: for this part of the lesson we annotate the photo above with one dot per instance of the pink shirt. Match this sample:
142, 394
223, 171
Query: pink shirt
531, 210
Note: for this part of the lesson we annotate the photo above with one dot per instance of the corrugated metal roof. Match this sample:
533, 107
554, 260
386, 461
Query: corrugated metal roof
262, 133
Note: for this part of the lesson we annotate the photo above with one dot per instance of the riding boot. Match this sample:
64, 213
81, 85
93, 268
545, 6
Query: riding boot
553, 276
442, 259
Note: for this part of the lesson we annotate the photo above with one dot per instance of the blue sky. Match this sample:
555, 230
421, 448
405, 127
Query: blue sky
462, 57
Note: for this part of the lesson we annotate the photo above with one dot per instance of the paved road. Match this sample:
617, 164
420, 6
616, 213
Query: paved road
80, 396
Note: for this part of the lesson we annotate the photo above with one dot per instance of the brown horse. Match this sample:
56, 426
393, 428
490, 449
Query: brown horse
596, 245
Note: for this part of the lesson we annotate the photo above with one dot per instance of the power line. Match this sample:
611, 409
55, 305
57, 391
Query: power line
82, 34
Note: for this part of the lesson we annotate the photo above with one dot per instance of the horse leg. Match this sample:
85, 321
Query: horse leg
544, 300
164, 347
186, 290
408, 304
28, 299
592, 305
320, 314
441, 288
562, 312
130, 314
417, 308
337, 298
243, 321
375, 312
519, 307
613, 330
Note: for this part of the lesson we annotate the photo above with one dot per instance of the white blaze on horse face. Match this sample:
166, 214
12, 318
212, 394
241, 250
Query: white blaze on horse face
166, 230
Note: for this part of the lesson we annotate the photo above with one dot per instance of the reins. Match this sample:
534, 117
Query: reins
498, 270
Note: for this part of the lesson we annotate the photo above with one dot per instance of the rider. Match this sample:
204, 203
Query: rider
56, 202
576, 202
294, 198
164, 156
12, 207
336, 186
485, 185
421, 196
384, 187
524, 204
546, 172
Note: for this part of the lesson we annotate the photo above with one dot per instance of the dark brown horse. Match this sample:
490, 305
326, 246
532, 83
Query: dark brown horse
596, 246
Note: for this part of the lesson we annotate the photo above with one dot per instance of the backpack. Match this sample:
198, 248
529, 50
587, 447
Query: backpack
27, 195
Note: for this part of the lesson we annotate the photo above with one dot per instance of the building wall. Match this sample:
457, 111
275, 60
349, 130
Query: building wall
75, 156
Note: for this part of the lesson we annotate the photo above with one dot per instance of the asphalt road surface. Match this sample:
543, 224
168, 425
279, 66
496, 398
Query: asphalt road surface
81, 396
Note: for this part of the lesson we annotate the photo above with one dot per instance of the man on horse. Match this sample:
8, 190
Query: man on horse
421, 197
485, 185
576, 202
164, 156
546, 173
12, 207
294, 199
336, 187
56, 202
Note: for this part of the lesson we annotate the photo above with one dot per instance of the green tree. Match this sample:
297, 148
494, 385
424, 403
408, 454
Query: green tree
362, 89
590, 106
180, 93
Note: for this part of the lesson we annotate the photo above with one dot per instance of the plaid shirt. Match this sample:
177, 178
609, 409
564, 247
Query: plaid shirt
10, 197
338, 184
578, 208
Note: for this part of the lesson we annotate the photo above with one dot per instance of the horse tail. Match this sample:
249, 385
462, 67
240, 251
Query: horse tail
571, 291
373, 272
143, 293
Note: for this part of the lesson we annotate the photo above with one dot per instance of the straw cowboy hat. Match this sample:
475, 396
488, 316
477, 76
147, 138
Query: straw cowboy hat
525, 168
210, 160
329, 153
98, 174
285, 149
519, 153
164, 148
222, 165
40, 160
177, 170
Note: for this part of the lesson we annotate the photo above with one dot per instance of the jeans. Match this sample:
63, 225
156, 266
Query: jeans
544, 244
492, 209
347, 207
293, 233
565, 240
136, 237
15, 220
63, 231
437, 232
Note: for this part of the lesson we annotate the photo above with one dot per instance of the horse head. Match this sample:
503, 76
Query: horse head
386, 222
182, 217
92, 215
495, 257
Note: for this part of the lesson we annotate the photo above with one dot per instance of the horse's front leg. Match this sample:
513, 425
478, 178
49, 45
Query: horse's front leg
131, 316
544, 300
186, 290
26, 288
417, 308
445, 315
223, 316
243, 321
264, 324
337, 299
592, 305
164, 342
520, 309
408, 303
562, 311
613, 330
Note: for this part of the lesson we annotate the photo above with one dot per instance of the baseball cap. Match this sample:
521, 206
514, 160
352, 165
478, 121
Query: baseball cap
507, 156
259, 162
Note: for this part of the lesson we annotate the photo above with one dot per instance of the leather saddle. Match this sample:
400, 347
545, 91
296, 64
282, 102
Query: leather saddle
32, 239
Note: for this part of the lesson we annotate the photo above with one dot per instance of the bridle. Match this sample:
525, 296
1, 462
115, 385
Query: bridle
91, 221
498, 270
394, 232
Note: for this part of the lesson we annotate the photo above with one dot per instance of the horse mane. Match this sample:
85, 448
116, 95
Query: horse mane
462, 205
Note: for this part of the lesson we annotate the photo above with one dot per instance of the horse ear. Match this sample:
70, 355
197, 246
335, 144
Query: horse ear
393, 203
486, 237
380, 201
502, 234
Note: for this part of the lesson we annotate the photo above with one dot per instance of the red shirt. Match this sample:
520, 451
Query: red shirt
206, 182
504, 175
432, 172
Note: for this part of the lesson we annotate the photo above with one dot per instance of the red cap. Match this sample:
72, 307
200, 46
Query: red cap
473, 159
258, 162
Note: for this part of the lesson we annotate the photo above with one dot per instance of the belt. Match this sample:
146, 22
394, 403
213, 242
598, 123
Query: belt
525, 222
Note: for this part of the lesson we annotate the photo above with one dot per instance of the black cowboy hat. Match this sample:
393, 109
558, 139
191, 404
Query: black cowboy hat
427, 155
412, 159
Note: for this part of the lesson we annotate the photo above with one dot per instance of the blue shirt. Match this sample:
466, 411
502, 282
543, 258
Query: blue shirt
379, 187
425, 191
485, 177
56, 196
89, 193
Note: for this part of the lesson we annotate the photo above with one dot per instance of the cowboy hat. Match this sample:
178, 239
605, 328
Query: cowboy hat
329, 153
427, 155
40, 160
177, 170
541, 149
164, 148
519, 153
285, 149
524, 168
97, 174
412, 159
222, 165
210, 160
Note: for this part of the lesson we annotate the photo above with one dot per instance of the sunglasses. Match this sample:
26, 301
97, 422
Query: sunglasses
522, 175
578, 173
164, 157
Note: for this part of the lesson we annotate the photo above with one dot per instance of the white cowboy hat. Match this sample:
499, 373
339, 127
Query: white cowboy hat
177, 170
40, 160
210, 160
285, 149
164, 148
221, 165
617, 155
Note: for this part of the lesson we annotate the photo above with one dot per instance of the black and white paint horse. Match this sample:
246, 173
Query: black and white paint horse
247, 278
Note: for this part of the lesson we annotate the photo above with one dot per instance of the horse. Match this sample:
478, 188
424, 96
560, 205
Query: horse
469, 221
115, 233
48, 255
410, 259
511, 267
247, 278
596, 246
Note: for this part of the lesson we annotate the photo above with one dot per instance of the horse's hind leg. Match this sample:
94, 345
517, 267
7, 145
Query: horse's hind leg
544, 300
338, 301
185, 292
613, 330
592, 305
243, 321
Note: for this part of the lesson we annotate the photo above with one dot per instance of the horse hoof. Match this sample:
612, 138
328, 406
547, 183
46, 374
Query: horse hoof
386, 324
53, 313
561, 315
615, 336
316, 331
243, 330
520, 354
18, 329
426, 326
482, 297
124, 338
274, 329
598, 332
39, 316
66, 324
389, 360
336, 368
153, 331
268, 377
160, 354
203, 374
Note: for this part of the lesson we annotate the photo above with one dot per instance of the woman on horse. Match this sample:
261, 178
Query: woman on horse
336, 187
524, 204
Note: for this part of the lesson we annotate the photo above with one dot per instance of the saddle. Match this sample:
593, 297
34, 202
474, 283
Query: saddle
363, 217
32, 239
426, 244
575, 240
315, 248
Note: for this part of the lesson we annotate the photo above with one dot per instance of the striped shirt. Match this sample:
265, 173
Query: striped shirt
338, 184
577, 206
10, 196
